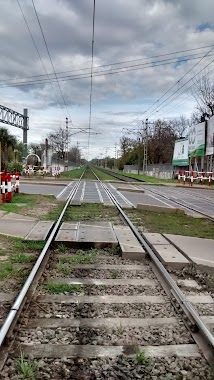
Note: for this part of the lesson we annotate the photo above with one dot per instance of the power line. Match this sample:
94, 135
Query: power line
108, 64
197, 63
91, 83
29, 30
157, 101
180, 89
46, 45
99, 73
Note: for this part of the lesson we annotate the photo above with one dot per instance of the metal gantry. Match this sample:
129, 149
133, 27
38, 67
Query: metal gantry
16, 119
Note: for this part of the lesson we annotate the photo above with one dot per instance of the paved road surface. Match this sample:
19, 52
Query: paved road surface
40, 189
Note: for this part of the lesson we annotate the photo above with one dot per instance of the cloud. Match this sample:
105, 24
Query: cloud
124, 31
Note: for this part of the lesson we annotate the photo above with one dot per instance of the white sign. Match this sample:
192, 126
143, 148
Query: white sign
196, 140
210, 137
180, 156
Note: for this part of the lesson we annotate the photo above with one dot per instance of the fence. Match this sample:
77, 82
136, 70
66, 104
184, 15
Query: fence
163, 171
191, 176
8, 188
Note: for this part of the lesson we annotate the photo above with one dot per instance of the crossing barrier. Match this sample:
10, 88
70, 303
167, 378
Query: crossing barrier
8, 186
193, 175
56, 171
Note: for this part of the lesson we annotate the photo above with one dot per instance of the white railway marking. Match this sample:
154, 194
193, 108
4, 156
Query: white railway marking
99, 193
63, 190
122, 196
159, 200
83, 192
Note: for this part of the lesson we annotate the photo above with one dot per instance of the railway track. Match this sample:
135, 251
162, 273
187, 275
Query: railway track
170, 198
88, 314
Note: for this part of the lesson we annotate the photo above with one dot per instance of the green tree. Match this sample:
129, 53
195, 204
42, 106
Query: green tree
8, 143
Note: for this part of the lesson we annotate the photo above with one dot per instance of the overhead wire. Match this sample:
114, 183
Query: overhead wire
99, 73
34, 43
91, 82
197, 63
157, 101
182, 87
46, 45
105, 65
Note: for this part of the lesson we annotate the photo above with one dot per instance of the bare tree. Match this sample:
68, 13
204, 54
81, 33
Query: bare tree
57, 140
203, 93
179, 125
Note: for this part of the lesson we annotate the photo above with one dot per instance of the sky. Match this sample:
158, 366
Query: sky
143, 32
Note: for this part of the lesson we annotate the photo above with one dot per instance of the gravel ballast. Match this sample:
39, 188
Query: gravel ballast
121, 368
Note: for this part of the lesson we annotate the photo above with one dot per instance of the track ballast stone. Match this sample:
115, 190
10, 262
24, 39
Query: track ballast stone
121, 367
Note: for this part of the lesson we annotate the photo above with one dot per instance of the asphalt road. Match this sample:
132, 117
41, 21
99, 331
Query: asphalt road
41, 189
92, 192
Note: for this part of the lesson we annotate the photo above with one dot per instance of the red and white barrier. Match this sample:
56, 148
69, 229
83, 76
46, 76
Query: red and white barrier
56, 171
191, 176
8, 187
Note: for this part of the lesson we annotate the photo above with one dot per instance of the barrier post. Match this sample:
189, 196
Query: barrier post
191, 179
3, 196
209, 180
201, 179
17, 182
9, 188
184, 177
179, 176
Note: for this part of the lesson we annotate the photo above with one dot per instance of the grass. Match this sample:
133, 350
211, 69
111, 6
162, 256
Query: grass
26, 368
25, 201
148, 178
82, 257
114, 274
8, 270
173, 223
27, 245
141, 357
72, 174
55, 212
103, 176
58, 288
61, 248
22, 258
88, 174
86, 211
64, 268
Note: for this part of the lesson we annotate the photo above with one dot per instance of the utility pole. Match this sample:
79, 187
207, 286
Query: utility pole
145, 148
115, 156
106, 163
25, 129
66, 144
139, 157
101, 159
145, 145
77, 151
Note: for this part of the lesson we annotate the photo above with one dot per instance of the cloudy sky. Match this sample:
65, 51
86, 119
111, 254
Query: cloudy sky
143, 32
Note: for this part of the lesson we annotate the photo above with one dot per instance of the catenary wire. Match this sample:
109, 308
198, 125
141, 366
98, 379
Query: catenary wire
34, 43
91, 82
95, 74
46, 45
108, 64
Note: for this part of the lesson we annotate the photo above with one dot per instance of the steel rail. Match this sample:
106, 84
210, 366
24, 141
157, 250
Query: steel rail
180, 204
21, 296
142, 239
165, 197
120, 176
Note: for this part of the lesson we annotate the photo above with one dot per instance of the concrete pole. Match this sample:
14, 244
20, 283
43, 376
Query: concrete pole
25, 128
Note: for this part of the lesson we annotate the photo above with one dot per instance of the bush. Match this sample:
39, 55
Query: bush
13, 167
